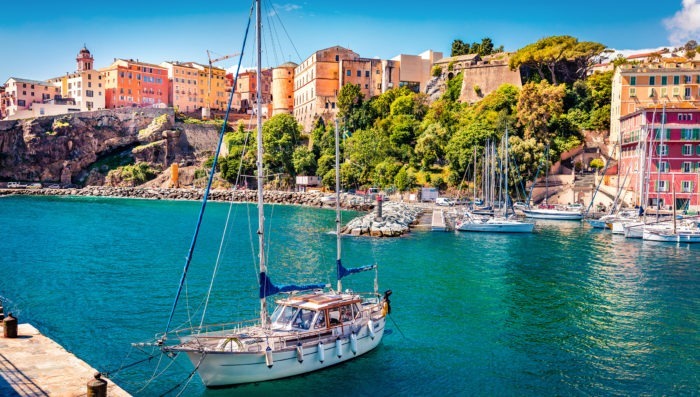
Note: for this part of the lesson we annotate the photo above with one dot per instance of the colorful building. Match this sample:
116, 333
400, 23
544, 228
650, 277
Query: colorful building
319, 78
183, 89
21, 95
244, 97
637, 86
130, 83
211, 85
85, 85
660, 156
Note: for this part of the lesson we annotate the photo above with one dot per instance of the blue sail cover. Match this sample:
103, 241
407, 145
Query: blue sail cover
342, 271
267, 288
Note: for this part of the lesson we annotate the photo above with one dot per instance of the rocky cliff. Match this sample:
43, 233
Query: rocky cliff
82, 147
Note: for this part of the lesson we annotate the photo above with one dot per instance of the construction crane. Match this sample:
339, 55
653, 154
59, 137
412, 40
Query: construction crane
206, 110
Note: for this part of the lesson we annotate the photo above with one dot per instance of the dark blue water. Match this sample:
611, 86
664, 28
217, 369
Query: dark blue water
565, 311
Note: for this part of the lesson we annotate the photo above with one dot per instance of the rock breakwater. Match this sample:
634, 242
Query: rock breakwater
311, 199
397, 219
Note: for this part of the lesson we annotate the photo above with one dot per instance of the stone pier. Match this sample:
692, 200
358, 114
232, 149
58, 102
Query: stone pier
34, 365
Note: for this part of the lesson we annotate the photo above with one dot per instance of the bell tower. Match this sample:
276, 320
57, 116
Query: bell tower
84, 59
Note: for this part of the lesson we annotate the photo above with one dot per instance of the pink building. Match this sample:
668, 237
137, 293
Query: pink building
660, 156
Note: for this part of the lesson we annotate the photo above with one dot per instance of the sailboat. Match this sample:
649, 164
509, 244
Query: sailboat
472, 222
688, 232
312, 327
549, 211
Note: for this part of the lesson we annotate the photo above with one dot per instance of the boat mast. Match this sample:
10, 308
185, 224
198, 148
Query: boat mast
658, 166
337, 201
261, 212
507, 197
474, 197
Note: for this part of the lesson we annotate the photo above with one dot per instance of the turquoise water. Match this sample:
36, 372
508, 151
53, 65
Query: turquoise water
567, 310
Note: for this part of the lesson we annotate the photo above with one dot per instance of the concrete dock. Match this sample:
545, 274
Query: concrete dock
34, 365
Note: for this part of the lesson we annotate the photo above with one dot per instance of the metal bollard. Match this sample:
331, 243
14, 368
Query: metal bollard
9, 326
97, 387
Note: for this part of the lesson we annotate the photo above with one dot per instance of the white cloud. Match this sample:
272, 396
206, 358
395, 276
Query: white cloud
288, 7
685, 24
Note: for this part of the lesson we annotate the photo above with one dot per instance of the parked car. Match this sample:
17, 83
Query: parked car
519, 205
444, 201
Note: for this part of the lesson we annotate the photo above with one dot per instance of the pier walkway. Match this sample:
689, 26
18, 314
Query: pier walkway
34, 365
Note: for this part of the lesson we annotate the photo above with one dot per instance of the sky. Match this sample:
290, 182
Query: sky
41, 39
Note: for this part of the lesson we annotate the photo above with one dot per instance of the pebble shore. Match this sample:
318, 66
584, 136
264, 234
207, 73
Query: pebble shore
396, 220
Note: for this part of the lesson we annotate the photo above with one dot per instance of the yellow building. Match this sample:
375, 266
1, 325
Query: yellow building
183, 90
215, 93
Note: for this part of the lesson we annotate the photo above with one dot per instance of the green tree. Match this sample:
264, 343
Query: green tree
404, 180
304, 161
430, 146
528, 155
281, 135
365, 149
350, 100
459, 48
557, 55
537, 105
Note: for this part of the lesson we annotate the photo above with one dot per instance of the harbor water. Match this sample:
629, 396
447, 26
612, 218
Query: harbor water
566, 310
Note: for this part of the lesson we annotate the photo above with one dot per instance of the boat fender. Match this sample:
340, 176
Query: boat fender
300, 353
370, 328
338, 348
268, 357
321, 352
387, 302
353, 343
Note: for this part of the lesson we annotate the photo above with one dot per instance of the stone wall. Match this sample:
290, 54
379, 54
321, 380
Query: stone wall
487, 77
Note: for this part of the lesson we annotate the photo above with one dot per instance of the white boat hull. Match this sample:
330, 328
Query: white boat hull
218, 369
682, 236
553, 214
634, 230
497, 227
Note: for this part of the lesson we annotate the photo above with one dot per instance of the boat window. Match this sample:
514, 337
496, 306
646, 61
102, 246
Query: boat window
334, 316
283, 315
346, 313
303, 319
320, 321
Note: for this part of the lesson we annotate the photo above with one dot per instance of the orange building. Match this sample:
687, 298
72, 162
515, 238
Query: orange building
244, 95
283, 88
320, 77
130, 83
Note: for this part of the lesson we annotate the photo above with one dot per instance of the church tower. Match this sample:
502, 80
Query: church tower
84, 59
